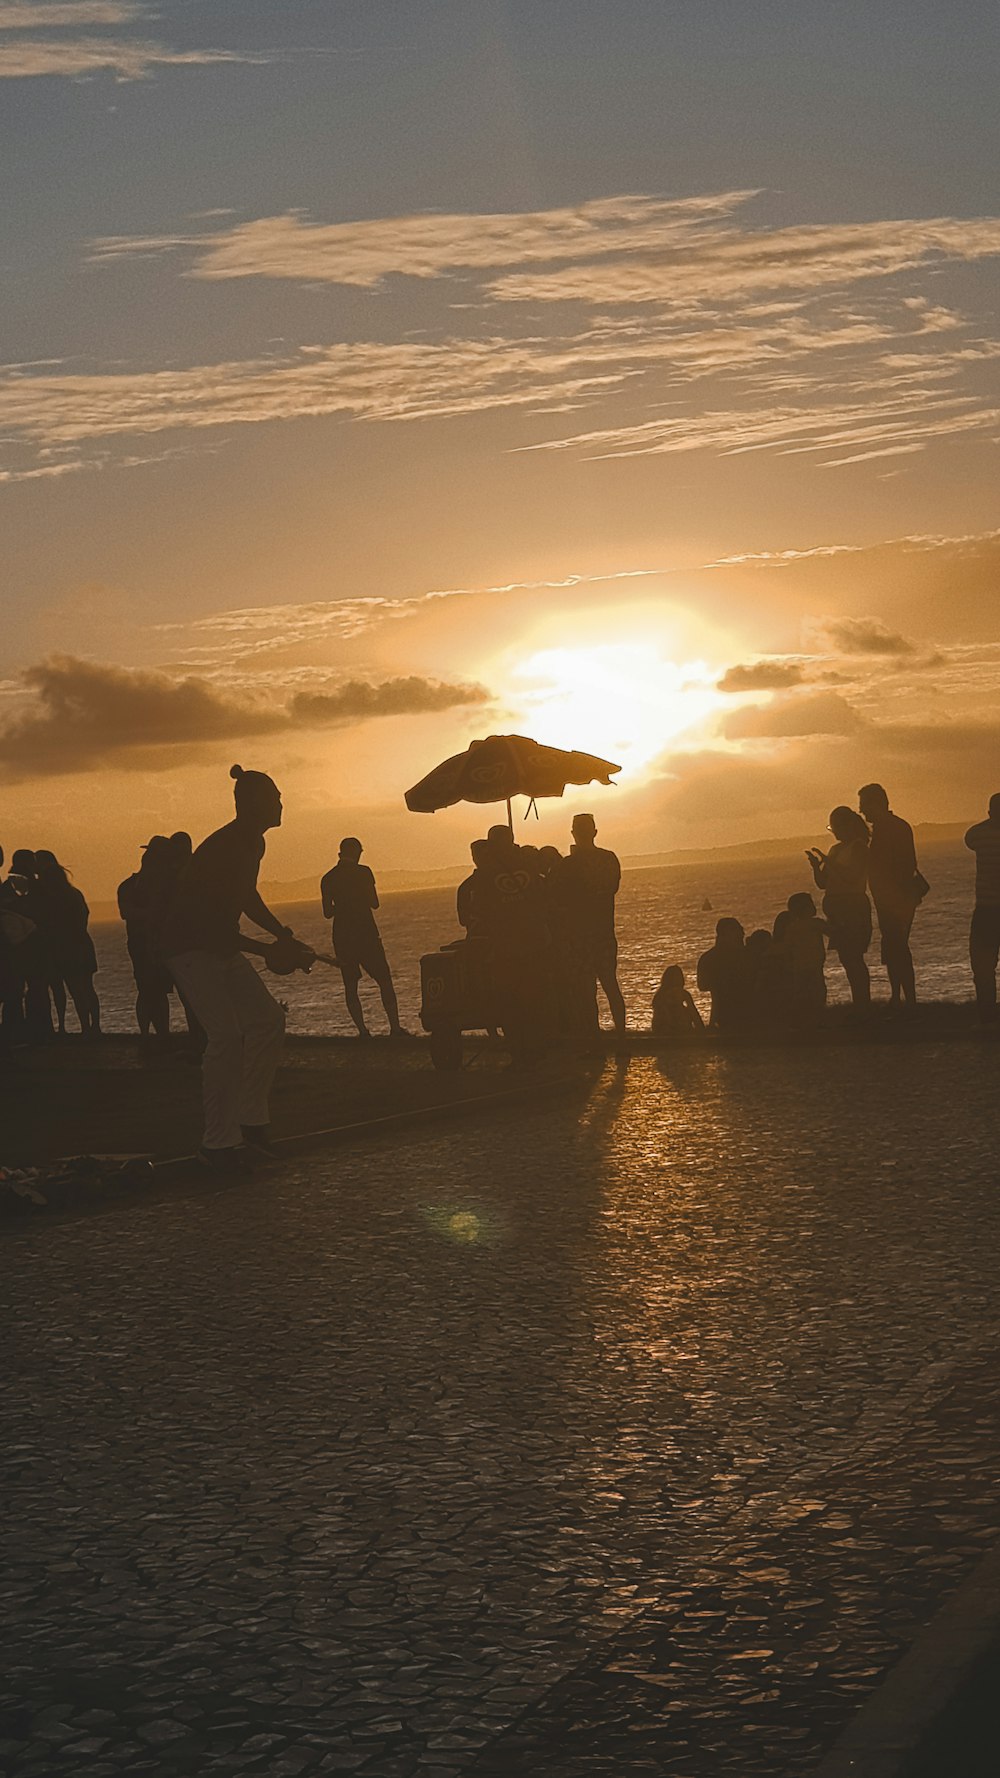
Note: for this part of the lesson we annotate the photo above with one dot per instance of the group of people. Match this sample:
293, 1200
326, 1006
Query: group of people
47, 955
776, 978
542, 923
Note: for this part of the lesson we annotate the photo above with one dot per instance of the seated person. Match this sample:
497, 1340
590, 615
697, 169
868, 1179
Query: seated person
674, 1011
723, 972
804, 947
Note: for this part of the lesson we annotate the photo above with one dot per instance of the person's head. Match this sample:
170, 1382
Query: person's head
155, 853
759, 941
48, 868
873, 801
548, 858
258, 799
846, 824
584, 830
780, 928
181, 846
499, 839
22, 863
802, 906
728, 933
350, 850
478, 852
995, 807
672, 979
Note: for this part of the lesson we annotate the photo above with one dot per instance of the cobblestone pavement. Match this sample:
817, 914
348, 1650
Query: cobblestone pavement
638, 1432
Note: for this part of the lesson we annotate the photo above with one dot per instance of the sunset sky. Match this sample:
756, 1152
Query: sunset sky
377, 376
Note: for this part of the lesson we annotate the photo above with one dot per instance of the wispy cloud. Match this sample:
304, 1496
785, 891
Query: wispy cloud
754, 341
29, 58
428, 245
43, 15
84, 713
87, 50
863, 636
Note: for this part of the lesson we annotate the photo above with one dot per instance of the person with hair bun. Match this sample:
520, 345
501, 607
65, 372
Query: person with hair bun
205, 949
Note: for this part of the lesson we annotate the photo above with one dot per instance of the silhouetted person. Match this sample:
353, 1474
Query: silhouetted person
508, 915
204, 947
465, 898
32, 959
143, 900
584, 887
984, 933
765, 996
63, 919
842, 874
15, 929
723, 972
804, 959
350, 899
895, 885
674, 1011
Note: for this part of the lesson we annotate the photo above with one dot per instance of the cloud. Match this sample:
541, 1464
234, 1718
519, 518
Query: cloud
822, 713
128, 59
628, 249
767, 675
427, 245
42, 15
724, 263
862, 636
86, 713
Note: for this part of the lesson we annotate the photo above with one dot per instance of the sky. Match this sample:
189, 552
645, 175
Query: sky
377, 376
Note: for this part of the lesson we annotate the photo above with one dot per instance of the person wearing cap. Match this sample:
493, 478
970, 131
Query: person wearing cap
206, 953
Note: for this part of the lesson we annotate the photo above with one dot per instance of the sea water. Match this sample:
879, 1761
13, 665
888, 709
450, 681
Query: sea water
661, 919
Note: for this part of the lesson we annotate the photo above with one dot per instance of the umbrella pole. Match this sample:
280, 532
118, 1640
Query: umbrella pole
510, 817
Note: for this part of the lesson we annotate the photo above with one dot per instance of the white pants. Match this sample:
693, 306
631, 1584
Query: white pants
245, 1028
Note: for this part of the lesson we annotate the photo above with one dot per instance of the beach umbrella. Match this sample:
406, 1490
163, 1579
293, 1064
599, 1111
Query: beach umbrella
502, 767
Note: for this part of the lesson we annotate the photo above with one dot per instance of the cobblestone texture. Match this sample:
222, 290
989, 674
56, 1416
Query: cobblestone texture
637, 1433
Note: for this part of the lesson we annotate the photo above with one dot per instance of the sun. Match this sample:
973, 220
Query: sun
624, 701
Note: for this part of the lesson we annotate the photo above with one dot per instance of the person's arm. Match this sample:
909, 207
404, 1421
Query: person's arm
372, 891
697, 1022
818, 862
326, 893
257, 910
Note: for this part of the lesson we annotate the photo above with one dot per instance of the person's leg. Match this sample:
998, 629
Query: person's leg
984, 952
352, 976
858, 978
58, 987
262, 1024
382, 976
202, 979
607, 976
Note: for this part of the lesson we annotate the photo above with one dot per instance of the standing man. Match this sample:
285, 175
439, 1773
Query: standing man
350, 899
204, 948
895, 884
984, 933
584, 887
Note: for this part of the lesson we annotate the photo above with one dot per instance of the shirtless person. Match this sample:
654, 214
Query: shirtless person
204, 949
350, 899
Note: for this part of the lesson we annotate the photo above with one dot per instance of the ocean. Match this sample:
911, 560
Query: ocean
660, 917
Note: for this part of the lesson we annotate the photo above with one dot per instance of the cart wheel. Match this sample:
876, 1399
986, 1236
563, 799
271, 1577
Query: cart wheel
445, 1046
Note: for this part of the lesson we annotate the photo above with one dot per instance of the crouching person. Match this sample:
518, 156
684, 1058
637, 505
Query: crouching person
204, 948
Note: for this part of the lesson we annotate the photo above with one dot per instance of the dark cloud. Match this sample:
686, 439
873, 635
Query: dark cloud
769, 675
863, 635
821, 713
87, 713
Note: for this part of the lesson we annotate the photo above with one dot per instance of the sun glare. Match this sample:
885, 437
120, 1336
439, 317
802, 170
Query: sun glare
624, 701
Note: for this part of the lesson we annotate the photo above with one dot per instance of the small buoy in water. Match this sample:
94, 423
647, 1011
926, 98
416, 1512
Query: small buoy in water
706, 906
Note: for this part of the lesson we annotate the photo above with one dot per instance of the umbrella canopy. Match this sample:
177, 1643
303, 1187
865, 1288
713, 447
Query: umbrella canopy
502, 766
